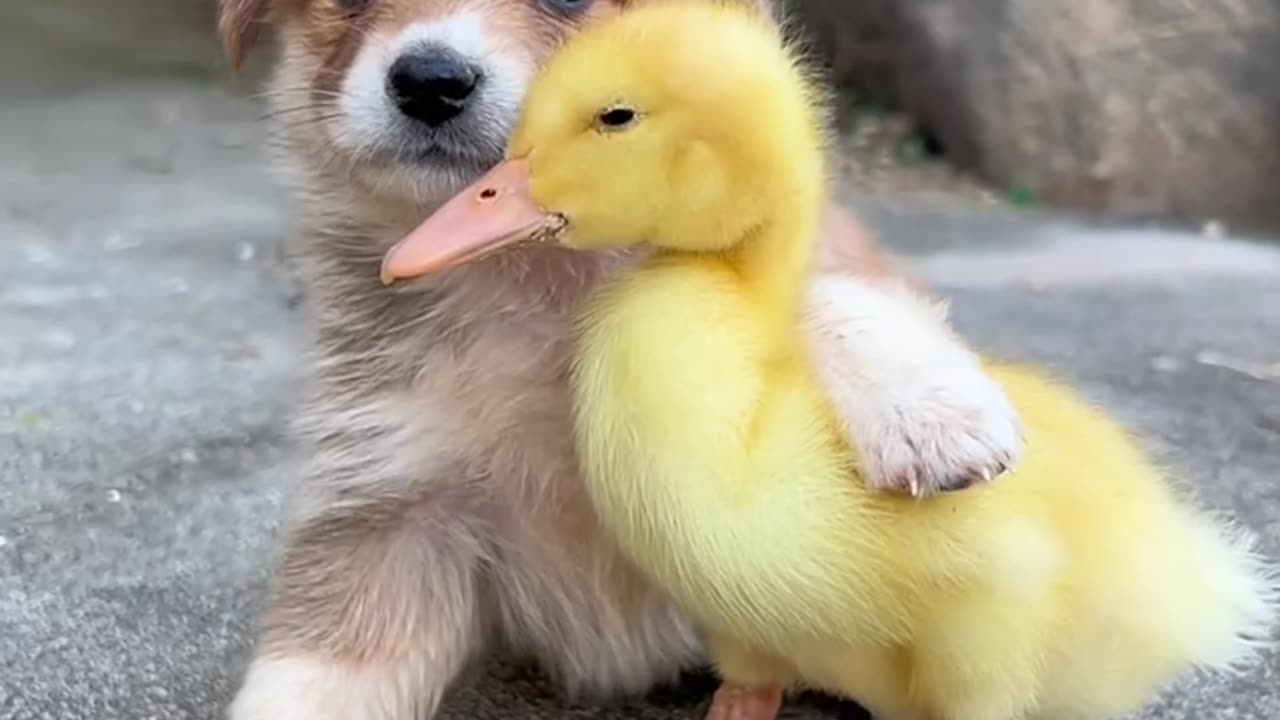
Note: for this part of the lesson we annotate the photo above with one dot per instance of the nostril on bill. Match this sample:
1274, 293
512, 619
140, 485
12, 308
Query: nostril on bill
432, 84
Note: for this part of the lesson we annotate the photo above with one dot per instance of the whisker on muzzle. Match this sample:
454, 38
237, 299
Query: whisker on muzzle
294, 110
308, 92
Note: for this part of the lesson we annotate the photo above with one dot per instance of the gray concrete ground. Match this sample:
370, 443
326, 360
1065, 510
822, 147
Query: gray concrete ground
146, 355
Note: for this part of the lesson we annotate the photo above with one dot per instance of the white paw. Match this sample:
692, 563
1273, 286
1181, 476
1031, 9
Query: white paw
299, 688
951, 436
913, 400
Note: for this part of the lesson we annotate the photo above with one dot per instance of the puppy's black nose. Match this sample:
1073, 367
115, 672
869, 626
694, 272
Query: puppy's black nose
432, 84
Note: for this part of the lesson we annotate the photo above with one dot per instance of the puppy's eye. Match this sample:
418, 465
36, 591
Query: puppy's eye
616, 118
567, 7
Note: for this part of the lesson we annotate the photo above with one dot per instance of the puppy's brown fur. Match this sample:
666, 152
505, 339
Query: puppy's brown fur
440, 506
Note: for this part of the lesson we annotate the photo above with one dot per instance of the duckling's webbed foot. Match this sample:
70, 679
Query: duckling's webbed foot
913, 400
741, 702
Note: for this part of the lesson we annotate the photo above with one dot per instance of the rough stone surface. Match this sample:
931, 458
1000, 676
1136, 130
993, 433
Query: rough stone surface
1139, 108
860, 45
146, 368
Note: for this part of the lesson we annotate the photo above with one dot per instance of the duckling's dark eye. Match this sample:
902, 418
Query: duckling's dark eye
567, 7
616, 118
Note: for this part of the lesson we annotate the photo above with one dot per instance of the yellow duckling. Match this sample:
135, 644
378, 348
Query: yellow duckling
1073, 588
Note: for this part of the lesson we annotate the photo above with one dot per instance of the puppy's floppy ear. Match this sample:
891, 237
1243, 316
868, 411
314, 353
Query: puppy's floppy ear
238, 24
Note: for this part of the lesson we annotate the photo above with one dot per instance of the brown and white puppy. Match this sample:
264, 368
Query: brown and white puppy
440, 510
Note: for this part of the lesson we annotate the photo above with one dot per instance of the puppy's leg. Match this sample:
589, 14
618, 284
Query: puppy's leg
596, 625
374, 613
913, 399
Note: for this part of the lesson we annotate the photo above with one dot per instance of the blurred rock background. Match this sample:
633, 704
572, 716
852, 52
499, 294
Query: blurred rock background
1156, 109
72, 45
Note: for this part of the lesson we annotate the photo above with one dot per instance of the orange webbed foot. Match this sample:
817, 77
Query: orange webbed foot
740, 702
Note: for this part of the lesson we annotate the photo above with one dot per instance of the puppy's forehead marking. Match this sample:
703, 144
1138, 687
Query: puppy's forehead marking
463, 32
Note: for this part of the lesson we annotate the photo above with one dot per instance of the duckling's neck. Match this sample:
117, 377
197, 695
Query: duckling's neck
774, 259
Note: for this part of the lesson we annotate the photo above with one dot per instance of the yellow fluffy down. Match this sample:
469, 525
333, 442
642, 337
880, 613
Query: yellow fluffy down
1074, 586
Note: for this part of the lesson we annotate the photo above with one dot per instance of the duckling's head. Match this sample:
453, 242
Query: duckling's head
680, 125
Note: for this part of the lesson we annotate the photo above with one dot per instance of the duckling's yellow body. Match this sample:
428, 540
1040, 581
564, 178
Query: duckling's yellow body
1071, 588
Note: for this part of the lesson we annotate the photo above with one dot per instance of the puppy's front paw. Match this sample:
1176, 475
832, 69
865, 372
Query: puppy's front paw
955, 435
910, 396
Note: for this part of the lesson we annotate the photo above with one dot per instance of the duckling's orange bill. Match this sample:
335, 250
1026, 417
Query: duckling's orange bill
494, 212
